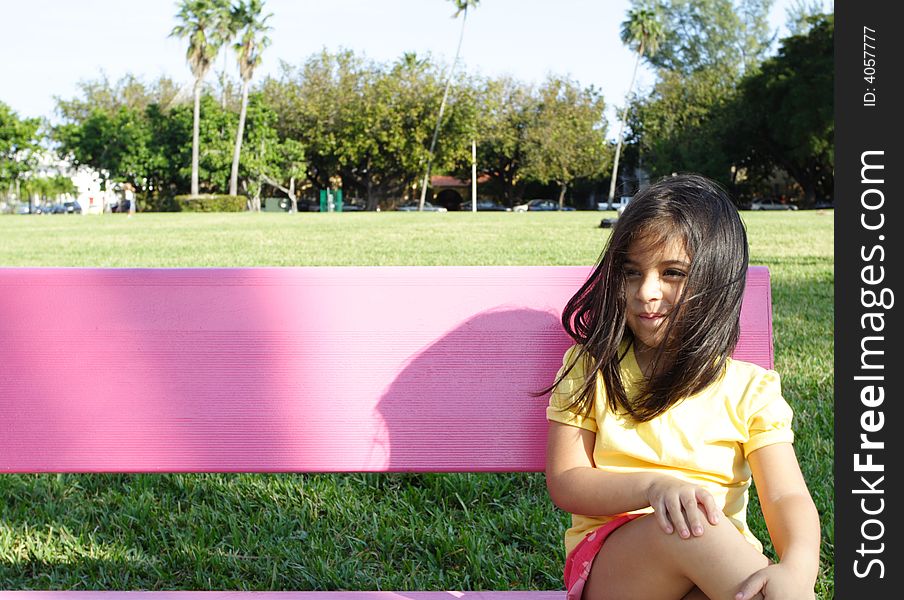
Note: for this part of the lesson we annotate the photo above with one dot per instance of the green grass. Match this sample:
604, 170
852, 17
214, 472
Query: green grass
355, 531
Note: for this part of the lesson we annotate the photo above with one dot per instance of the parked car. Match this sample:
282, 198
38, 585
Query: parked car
34, 209
305, 205
412, 206
617, 203
536, 204
540, 204
57, 209
483, 204
354, 205
770, 204
72, 207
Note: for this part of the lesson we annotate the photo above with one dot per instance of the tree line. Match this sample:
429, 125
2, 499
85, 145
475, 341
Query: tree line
339, 120
719, 106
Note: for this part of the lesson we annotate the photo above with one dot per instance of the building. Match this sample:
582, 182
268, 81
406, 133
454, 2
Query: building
91, 197
450, 192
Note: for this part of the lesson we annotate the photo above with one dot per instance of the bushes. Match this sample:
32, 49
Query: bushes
209, 203
153, 202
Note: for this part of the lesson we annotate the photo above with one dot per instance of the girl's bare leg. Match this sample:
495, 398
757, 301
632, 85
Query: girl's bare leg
639, 560
696, 594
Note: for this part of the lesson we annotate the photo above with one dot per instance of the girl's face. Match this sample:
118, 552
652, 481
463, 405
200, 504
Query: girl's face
655, 274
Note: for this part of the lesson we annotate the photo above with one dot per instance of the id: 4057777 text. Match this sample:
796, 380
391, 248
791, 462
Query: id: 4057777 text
869, 65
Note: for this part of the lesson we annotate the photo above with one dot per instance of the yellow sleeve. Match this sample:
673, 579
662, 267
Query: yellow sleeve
564, 393
768, 415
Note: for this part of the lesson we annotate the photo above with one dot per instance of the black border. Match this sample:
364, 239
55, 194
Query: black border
860, 128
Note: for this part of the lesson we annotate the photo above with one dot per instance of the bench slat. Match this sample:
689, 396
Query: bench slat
343, 595
308, 369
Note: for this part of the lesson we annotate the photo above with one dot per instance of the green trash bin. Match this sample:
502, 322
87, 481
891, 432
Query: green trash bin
330, 200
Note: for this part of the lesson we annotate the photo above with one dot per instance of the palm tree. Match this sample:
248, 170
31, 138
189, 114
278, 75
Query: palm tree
253, 27
461, 9
199, 21
643, 31
227, 28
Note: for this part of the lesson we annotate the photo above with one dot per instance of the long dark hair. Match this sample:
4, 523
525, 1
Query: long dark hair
702, 329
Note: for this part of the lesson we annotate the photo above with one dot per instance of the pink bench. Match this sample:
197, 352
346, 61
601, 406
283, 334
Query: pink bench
426, 369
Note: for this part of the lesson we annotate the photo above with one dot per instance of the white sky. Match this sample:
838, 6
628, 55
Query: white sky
48, 46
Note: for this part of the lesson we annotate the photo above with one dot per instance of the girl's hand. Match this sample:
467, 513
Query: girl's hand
681, 506
776, 582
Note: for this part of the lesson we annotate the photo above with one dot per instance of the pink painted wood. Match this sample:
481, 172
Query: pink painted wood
343, 595
289, 369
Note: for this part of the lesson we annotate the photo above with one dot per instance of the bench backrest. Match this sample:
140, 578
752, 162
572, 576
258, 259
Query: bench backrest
304, 369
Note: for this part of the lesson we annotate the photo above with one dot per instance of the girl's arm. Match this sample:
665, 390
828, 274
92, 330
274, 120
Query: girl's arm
792, 521
576, 486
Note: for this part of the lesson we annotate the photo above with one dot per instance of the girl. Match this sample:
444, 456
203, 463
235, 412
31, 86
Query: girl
654, 431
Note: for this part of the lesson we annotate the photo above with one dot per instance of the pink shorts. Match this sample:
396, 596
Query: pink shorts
579, 560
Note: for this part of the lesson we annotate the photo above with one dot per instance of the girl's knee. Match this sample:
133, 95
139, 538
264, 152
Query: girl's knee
721, 537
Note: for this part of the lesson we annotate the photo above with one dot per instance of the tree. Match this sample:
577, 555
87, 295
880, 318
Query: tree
504, 110
677, 127
170, 151
755, 36
129, 91
122, 131
314, 104
129, 137
726, 35
567, 136
642, 31
200, 22
707, 46
265, 154
114, 144
382, 127
253, 41
797, 15
786, 111
287, 170
227, 28
19, 146
49, 187
462, 9
367, 123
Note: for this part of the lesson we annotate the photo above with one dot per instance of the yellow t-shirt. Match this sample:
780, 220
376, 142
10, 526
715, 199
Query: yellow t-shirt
705, 439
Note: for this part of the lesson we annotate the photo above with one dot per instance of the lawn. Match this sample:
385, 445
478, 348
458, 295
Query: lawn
356, 531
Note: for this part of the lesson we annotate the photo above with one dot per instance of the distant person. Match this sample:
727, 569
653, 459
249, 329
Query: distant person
129, 197
655, 431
